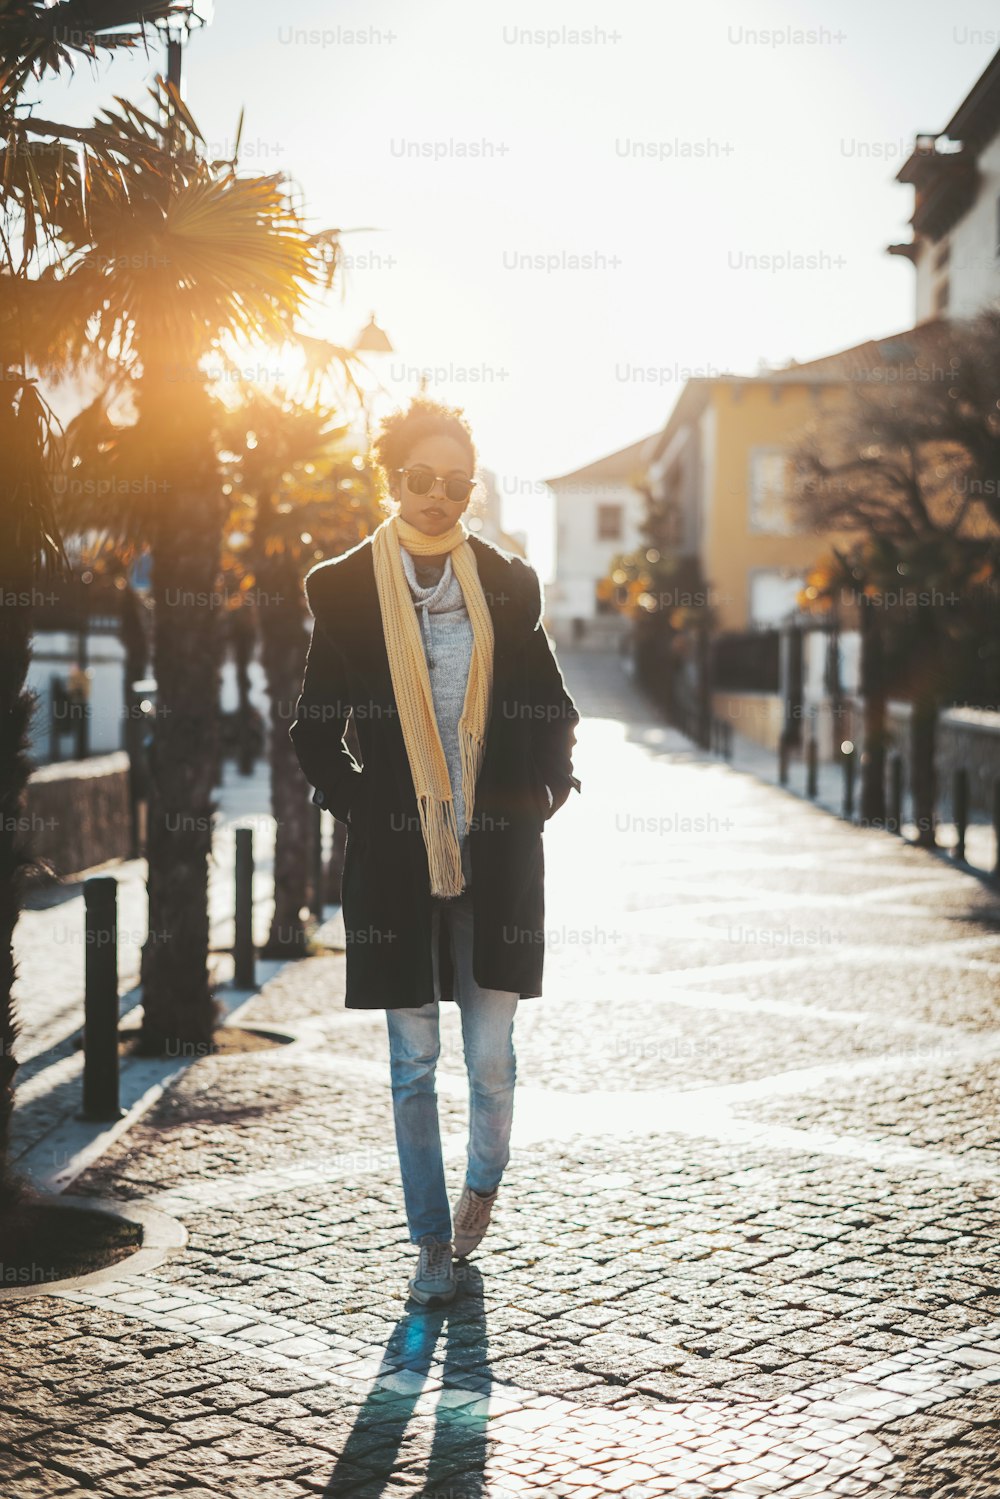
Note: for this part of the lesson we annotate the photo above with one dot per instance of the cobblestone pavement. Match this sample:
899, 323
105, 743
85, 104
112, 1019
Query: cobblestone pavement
50, 935
50, 946
746, 1244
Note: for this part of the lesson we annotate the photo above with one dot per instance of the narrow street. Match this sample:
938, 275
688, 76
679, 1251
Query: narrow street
746, 1244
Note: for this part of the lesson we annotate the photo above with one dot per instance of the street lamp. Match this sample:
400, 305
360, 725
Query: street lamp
372, 339
176, 28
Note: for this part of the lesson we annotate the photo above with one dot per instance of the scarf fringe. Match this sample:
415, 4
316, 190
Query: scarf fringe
439, 826
471, 748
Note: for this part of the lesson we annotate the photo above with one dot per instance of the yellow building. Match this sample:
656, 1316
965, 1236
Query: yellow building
721, 465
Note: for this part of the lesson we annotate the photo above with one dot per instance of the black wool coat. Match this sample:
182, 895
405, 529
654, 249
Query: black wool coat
385, 896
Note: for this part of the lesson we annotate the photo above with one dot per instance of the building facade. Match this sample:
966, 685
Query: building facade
955, 174
722, 467
599, 510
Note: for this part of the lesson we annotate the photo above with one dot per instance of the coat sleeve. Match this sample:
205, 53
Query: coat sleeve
555, 714
322, 714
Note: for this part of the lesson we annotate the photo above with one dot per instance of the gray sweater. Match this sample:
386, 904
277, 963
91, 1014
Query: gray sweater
447, 635
448, 640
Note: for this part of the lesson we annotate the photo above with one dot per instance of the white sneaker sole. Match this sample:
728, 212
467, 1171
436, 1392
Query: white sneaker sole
431, 1298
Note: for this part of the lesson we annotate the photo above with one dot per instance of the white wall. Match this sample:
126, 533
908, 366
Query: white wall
814, 664
773, 595
53, 654
581, 557
973, 268
926, 282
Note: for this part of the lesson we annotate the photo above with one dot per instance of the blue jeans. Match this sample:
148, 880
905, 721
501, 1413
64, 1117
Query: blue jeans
414, 1047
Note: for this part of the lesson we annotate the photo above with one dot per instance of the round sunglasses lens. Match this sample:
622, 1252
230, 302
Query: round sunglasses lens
419, 480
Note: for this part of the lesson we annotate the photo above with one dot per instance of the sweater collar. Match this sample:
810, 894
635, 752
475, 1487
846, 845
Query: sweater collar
433, 593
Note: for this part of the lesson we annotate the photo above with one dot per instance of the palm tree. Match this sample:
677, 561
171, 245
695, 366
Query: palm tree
36, 41
197, 258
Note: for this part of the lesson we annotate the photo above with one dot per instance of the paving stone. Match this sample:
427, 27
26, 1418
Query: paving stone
746, 1240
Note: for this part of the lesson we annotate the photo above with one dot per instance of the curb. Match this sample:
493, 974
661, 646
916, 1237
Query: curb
64, 1151
162, 1236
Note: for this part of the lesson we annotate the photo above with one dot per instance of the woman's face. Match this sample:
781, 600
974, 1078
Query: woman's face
433, 513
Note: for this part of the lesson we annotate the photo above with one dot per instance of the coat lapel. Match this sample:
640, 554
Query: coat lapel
505, 603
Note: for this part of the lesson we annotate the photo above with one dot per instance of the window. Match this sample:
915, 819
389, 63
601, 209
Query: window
609, 522
768, 492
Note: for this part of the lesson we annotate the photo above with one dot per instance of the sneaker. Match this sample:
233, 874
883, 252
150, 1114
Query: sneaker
434, 1281
471, 1219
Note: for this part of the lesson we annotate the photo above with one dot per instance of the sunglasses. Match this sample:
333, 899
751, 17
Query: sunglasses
420, 480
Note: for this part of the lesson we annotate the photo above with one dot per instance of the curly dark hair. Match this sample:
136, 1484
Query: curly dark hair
422, 418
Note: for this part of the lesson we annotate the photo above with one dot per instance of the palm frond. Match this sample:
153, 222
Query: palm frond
221, 257
53, 190
29, 448
37, 39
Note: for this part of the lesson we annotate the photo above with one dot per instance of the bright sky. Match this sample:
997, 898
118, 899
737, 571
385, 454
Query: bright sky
671, 147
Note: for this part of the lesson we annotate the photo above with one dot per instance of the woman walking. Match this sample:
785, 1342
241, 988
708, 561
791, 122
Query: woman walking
432, 638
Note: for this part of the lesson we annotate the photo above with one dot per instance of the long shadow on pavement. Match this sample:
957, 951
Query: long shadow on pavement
456, 1465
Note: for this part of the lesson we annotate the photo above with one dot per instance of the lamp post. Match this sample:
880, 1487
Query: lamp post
372, 340
176, 29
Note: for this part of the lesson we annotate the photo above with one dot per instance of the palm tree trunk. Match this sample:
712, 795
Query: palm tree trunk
15, 714
179, 1008
31, 552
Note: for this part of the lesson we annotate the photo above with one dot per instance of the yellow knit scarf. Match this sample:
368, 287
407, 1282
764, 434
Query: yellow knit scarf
411, 684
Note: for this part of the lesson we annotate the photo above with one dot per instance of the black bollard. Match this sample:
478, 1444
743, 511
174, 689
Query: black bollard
960, 810
727, 741
100, 1005
849, 782
896, 793
245, 974
812, 782
783, 748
